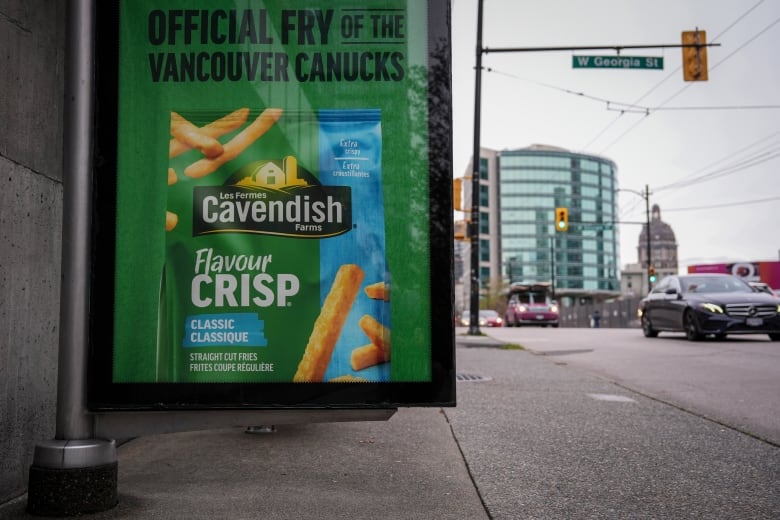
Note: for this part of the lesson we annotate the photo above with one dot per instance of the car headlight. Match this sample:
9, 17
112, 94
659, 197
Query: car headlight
713, 308
553, 308
522, 308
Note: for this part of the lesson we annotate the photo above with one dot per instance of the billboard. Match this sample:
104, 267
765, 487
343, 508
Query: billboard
273, 205
766, 271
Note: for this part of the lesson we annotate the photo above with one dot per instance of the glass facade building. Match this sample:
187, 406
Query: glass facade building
531, 183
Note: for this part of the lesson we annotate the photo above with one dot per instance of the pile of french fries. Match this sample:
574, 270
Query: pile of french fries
186, 136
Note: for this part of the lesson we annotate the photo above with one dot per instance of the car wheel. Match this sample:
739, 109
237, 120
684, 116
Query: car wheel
774, 337
647, 327
555, 325
691, 327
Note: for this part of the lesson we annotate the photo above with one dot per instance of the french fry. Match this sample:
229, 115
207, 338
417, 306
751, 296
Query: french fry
235, 146
215, 129
368, 356
172, 176
347, 379
378, 291
376, 332
327, 327
171, 219
190, 135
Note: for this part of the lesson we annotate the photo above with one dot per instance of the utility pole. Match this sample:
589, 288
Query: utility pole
475, 160
552, 266
649, 250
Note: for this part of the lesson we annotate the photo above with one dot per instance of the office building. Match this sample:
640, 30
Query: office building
519, 192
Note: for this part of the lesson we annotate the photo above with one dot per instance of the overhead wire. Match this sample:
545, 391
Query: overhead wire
725, 204
635, 107
674, 72
727, 170
759, 156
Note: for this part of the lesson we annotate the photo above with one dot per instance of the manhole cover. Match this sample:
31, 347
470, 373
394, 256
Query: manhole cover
472, 377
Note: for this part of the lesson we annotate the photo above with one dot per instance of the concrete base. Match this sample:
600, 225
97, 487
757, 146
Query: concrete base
75, 477
71, 492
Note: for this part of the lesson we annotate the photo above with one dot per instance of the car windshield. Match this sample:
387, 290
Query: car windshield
714, 284
488, 314
532, 297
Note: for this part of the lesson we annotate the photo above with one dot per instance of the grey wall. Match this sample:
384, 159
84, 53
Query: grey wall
31, 90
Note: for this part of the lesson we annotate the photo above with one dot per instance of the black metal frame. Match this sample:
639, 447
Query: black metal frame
104, 394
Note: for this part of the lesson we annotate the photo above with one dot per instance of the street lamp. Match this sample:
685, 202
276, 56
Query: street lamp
646, 195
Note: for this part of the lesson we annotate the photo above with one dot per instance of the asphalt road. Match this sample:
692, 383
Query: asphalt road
735, 381
549, 437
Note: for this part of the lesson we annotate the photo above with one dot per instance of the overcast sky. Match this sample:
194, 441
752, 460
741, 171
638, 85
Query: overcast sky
709, 151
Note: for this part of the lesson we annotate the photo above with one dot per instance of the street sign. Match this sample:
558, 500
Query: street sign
618, 62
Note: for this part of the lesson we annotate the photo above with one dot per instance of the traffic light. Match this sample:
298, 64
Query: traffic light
561, 219
651, 274
694, 59
457, 191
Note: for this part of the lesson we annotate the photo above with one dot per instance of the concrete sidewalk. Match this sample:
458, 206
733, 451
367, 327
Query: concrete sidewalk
407, 467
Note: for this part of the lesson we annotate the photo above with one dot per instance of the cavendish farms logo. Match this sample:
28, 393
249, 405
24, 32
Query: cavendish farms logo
273, 198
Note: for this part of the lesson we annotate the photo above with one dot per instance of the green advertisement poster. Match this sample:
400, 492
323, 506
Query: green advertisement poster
272, 193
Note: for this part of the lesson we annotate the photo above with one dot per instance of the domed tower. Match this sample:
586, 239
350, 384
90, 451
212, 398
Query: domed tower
663, 245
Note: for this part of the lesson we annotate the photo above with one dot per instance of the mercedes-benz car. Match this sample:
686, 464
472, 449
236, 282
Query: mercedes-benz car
703, 305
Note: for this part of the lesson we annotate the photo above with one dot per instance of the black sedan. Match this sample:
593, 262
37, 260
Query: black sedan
709, 304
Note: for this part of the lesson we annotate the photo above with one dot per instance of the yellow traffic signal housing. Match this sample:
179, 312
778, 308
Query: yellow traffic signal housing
561, 219
694, 59
457, 194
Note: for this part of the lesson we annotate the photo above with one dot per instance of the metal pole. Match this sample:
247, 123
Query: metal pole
552, 266
90, 484
649, 251
474, 304
72, 420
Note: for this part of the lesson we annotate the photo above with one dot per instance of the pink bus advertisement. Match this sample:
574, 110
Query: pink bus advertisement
767, 272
